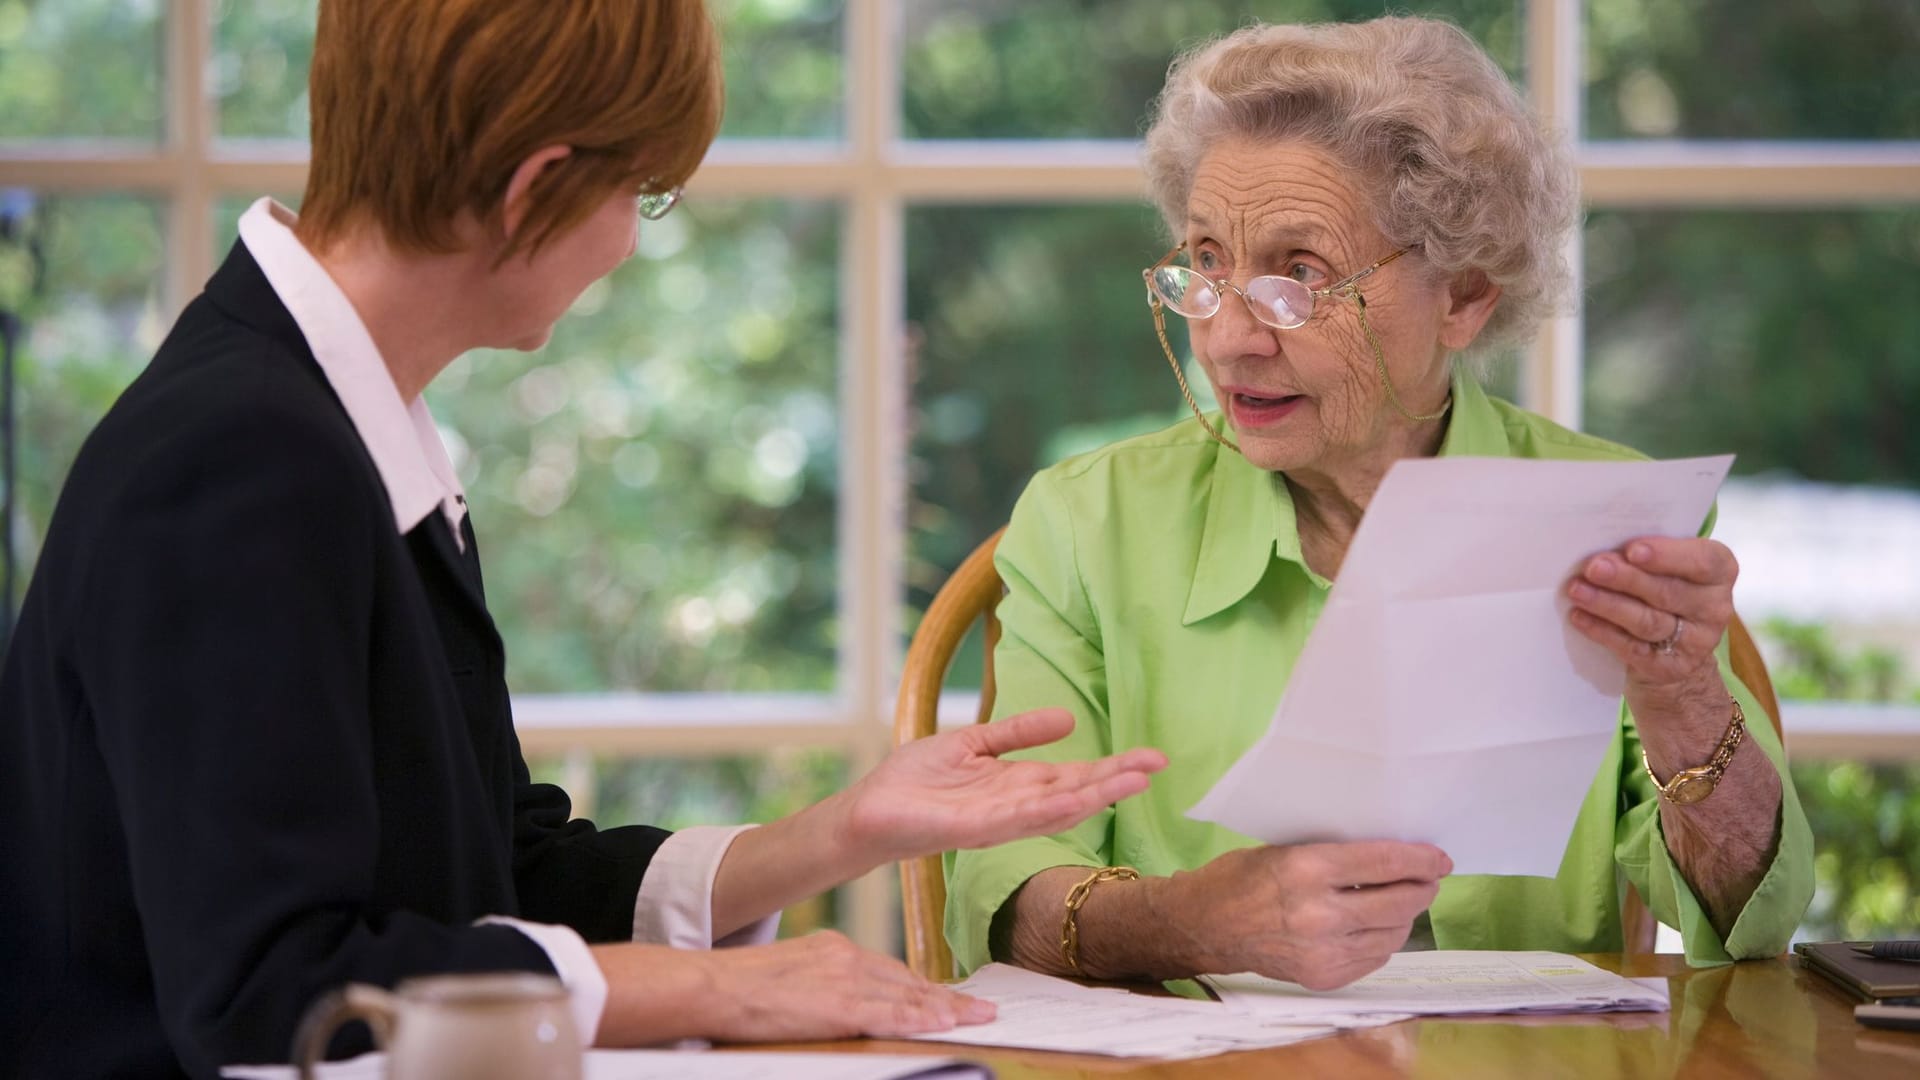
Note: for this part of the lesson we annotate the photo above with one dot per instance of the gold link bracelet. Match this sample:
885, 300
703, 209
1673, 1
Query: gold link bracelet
1070, 926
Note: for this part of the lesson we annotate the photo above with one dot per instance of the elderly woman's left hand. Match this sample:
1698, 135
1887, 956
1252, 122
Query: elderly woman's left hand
1661, 605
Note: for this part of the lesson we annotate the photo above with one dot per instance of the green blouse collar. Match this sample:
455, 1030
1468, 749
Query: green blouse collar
1250, 517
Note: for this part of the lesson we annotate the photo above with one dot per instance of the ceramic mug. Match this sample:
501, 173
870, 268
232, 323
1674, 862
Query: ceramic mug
455, 1027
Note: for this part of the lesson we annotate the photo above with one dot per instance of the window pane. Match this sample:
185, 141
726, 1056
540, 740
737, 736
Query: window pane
89, 332
674, 793
1089, 68
654, 490
785, 75
80, 68
1032, 341
258, 78
1866, 817
1732, 69
1792, 339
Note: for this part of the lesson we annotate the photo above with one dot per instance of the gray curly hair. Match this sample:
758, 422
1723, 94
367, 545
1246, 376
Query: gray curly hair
1453, 161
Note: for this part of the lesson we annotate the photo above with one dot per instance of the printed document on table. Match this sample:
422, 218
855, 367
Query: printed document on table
1443, 696
684, 1065
1451, 982
1040, 1012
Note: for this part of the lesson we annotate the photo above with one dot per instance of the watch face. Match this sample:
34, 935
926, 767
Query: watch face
1687, 790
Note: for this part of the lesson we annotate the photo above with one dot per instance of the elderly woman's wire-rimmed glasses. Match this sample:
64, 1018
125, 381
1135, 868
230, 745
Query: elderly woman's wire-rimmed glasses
1280, 302
653, 205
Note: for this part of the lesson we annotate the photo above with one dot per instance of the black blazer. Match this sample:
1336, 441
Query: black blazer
254, 742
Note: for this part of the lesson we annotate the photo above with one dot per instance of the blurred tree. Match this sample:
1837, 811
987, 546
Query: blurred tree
1866, 829
1761, 332
654, 491
1732, 69
785, 75
258, 77
80, 69
674, 793
1865, 816
1014, 69
1027, 323
88, 335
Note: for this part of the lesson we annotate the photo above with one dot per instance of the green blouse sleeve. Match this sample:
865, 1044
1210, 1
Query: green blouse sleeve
1766, 924
1049, 656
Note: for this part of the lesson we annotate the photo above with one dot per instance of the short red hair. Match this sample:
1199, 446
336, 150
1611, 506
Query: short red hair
422, 110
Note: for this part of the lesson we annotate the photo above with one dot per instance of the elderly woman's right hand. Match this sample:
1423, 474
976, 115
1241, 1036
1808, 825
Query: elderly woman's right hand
821, 986
1321, 915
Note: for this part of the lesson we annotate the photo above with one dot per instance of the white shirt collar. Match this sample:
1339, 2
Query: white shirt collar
399, 436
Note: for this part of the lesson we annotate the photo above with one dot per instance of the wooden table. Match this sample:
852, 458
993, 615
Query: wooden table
1767, 1018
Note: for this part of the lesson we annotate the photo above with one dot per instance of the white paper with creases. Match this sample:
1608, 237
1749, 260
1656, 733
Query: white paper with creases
1040, 1012
1443, 696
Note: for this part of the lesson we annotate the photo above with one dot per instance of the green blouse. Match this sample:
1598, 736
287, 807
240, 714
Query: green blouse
1156, 588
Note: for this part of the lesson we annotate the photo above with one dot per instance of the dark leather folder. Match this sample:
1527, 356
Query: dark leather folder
1861, 975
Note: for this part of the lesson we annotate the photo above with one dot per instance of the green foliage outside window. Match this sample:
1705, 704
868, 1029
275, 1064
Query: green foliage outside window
80, 69
1865, 816
784, 70
1790, 337
1734, 69
90, 330
673, 793
654, 492
258, 78
1086, 69
1866, 828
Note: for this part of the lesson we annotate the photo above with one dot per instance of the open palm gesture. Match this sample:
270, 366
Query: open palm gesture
954, 791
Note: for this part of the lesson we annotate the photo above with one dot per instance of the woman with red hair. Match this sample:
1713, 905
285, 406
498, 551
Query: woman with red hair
256, 739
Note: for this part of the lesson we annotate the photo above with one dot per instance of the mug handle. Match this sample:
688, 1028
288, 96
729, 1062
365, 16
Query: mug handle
355, 1001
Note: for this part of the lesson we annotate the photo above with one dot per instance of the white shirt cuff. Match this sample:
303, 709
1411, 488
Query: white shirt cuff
675, 905
573, 961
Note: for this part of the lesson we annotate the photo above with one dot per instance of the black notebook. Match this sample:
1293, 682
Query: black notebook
1862, 976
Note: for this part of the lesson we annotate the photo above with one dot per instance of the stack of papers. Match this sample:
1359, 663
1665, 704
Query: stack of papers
1443, 696
1451, 982
1040, 1012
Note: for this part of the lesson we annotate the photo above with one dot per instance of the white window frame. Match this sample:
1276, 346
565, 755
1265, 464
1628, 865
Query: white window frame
876, 177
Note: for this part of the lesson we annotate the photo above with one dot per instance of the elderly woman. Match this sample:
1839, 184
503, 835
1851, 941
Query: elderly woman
1376, 199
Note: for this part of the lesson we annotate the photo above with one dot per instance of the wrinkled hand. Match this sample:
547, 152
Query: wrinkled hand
1321, 915
817, 987
1661, 605
953, 791
823, 986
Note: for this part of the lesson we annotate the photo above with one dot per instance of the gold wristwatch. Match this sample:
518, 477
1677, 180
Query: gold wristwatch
1689, 786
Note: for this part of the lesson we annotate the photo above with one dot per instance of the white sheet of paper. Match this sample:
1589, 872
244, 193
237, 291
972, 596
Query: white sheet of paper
684, 1065
1443, 696
1451, 982
1040, 1012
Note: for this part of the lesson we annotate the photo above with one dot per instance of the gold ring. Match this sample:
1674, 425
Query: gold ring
1666, 647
